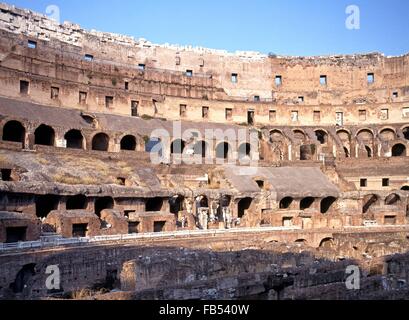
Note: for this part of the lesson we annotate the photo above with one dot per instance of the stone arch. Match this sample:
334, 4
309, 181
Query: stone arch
223, 150
276, 135
368, 201
299, 135
14, 131
244, 150
322, 136
154, 144
44, 135
102, 204
243, 205
306, 203
301, 241
405, 188
201, 148
286, 202
326, 204
128, 143
327, 243
392, 199
387, 134
405, 131
74, 139
202, 202
77, 202
399, 150
177, 146
100, 142
365, 134
23, 277
345, 137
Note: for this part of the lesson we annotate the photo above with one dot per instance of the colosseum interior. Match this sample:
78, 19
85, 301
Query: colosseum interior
168, 172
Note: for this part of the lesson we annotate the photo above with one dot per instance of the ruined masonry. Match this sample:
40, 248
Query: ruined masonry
301, 165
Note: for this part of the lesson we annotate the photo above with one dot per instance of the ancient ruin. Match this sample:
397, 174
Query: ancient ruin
169, 172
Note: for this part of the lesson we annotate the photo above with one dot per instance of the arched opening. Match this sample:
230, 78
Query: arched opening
307, 152
74, 139
23, 277
398, 150
322, 136
102, 204
200, 148
176, 204
78, 202
100, 142
405, 132
128, 143
154, 145
286, 202
222, 150
405, 188
299, 135
327, 203
368, 151
45, 204
243, 206
177, 146
369, 200
14, 131
225, 201
244, 150
387, 135
392, 199
327, 243
154, 204
276, 136
306, 203
44, 135
301, 241
202, 202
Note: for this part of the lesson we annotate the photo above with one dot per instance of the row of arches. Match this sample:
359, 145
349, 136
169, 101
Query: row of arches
223, 149
307, 203
14, 131
374, 199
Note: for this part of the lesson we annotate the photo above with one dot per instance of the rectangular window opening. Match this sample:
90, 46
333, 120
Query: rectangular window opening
364, 183
24, 86
109, 101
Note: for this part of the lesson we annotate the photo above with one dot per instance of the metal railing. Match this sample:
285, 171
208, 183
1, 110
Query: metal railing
58, 242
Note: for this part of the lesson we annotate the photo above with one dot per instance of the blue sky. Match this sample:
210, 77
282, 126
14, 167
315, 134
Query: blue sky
287, 27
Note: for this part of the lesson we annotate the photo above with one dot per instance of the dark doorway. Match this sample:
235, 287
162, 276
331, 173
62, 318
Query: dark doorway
286, 202
159, 226
398, 150
176, 204
368, 151
23, 277
128, 143
44, 135
154, 205
306, 203
74, 139
79, 230
102, 204
14, 131
243, 205
16, 234
45, 204
6, 175
322, 136
78, 202
327, 203
100, 142
307, 152
133, 227
250, 117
